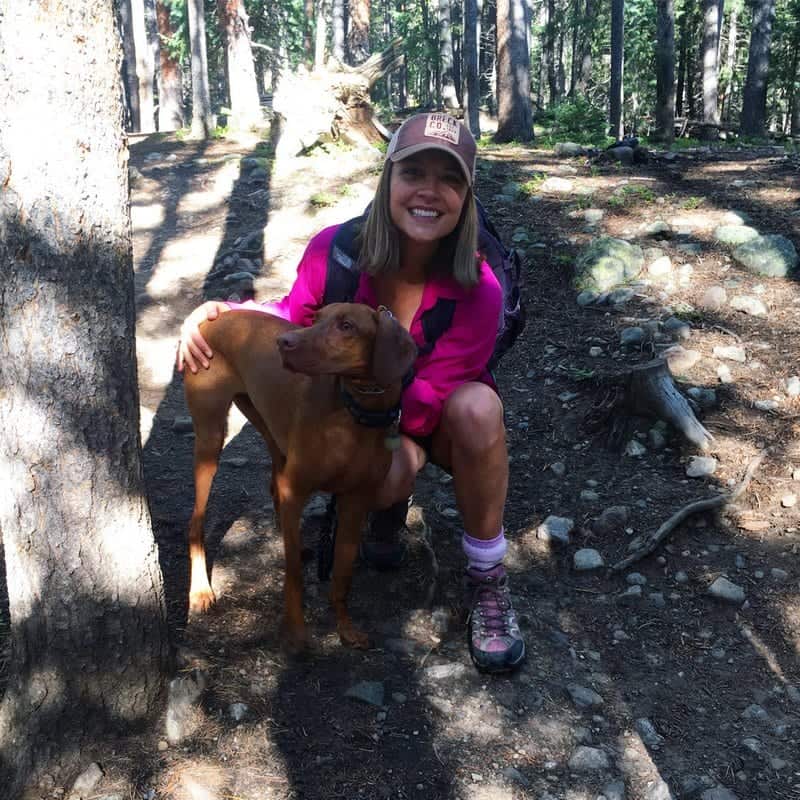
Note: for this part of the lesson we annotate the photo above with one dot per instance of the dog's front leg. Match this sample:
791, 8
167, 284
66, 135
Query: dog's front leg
290, 510
351, 514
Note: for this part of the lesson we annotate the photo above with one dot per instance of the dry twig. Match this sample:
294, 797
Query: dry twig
695, 507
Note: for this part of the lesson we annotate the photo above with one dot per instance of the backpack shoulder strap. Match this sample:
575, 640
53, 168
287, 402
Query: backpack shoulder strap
342, 275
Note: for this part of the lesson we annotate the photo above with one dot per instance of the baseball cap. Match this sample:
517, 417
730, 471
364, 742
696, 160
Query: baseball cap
435, 131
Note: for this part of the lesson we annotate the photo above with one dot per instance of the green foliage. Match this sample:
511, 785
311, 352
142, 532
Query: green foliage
691, 203
574, 120
531, 187
627, 194
322, 200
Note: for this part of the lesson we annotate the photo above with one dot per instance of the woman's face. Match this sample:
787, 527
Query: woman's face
426, 194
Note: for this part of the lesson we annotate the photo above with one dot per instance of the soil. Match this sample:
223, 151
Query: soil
693, 694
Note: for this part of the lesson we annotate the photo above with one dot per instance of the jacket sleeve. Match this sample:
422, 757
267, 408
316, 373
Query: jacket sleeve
305, 296
459, 356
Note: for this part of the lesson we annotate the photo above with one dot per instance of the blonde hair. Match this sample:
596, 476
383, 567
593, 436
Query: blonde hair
379, 239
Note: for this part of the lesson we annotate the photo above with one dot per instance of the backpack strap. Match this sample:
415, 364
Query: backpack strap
342, 276
436, 321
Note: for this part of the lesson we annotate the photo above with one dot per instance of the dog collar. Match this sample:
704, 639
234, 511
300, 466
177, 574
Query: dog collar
368, 417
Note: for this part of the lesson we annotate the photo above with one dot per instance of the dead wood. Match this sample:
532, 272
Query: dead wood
646, 390
695, 507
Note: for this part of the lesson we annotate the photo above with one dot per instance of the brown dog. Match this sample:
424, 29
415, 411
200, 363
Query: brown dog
326, 400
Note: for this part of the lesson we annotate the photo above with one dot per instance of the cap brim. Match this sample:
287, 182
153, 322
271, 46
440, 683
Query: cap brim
417, 148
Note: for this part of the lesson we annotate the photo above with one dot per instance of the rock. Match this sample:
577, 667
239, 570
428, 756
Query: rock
568, 149
650, 736
636, 579
705, 398
584, 697
779, 575
734, 234
660, 268
766, 405
772, 255
718, 793
630, 597
86, 782
658, 790
724, 374
555, 529
238, 711
556, 186
735, 218
595, 352
593, 215
622, 154
749, 304
632, 337
607, 262
730, 353
586, 298
558, 469
513, 775
614, 790
793, 386
183, 715
789, 500
677, 328
589, 759
635, 449
589, 496
619, 297
714, 298
656, 228
238, 277
445, 671
587, 559
370, 692
612, 520
701, 467
680, 360
723, 589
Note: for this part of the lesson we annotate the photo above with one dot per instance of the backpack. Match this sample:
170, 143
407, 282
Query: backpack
341, 284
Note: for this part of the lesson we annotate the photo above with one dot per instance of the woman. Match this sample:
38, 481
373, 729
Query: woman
417, 253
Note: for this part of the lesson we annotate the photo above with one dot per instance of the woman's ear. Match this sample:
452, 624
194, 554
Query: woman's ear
394, 351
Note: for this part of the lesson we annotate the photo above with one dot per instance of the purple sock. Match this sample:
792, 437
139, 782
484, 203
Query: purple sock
484, 553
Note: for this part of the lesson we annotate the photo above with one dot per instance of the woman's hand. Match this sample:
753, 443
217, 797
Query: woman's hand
192, 347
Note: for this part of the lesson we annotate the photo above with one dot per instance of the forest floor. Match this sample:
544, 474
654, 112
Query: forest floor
642, 693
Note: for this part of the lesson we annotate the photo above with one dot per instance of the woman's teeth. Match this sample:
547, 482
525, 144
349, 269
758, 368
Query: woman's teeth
423, 212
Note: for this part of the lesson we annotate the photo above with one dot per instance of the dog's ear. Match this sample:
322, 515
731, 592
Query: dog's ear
394, 352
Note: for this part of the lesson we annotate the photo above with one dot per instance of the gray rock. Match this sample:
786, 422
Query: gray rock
793, 386
632, 337
370, 692
86, 782
636, 579
586, 298
630, 597
772, 255
657, 227
614, 790
681, 360
613, 519
588, 759
714, 298
660, 268
635, 449
587, 559
657, 599
619, 297
568, 149
705, 398
734, 234
701, 466
656, 438
238, 711
589, 496
766, 405
749, 304
593, 215
678, 328
724, 374
658, 790
607, 262
690, 248
555, 529
622, 154
726, 590
444, 671
558, 468
583, 697
650, 736
735, 218
183, 698
556, 186
513, 775
718, 793
730, 353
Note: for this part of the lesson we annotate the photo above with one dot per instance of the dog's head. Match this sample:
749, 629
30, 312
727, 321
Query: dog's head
352, 340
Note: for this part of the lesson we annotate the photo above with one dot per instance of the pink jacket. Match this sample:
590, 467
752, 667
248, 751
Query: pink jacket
460, 354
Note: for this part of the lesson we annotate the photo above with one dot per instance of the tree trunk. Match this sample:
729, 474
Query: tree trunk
584, 56
338, 27
550, 52
730, 63
203, 121
617, 61
472, 92
449, 98
754, 98
665, 70
487, 52
88, 632
130, 76
242, 85
170, 99
145, 67
358, 35
681, 82
709, 49
794, 78
514, 115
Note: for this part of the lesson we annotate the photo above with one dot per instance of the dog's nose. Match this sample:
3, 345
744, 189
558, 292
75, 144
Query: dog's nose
286, 341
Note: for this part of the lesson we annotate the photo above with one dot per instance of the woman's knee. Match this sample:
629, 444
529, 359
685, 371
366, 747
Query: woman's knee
473, 416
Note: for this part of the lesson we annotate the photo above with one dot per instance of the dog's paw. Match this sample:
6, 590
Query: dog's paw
350, 636
201, 600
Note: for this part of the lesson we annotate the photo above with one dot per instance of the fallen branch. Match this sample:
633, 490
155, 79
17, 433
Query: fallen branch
427, 545
695, 507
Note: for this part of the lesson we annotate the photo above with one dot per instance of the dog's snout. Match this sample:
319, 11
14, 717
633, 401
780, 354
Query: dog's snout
286, 341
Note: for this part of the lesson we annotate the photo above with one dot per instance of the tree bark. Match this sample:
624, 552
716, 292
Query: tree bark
710, 74
472, 92
242, 85
203, 121
130, 76
358, 35
145, 67
617, 61
320, 34
730, 63
754, 99
338, 20
550, 52
665, 70
170, 99
680, 87
514, 114
449, 98
308, 32
88, 632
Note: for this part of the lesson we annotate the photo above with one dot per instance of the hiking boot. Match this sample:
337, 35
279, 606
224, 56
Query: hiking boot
495, 641
382, 547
